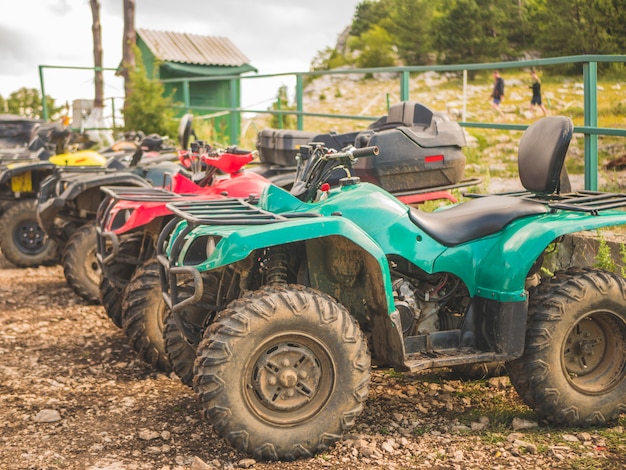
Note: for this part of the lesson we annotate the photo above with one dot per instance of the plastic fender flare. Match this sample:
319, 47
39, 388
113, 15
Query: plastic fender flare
237, 243
10, 170
534, 236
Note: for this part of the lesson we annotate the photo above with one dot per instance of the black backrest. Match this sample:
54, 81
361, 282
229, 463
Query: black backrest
541, 154
407, 114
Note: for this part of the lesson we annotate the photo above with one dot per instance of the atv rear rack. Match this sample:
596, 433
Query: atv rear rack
581, 201
229, 211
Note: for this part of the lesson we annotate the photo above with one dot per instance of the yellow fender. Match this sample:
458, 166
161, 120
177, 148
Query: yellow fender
79, 158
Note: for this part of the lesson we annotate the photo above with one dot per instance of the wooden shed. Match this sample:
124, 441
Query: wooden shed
190, 57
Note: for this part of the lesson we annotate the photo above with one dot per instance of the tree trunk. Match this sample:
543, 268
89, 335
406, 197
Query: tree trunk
97, 54
128, 56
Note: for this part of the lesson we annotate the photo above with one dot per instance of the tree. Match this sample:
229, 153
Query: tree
282, 121
470, 31
26, 102
146, 108
128, 45
376, 48
368, 14
96, 30
576, 27
410, 24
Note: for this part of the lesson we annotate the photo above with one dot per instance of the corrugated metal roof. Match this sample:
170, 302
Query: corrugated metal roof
189, 48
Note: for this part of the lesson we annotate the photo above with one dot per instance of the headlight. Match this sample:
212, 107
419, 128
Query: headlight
211, 243
200, 249
121, 218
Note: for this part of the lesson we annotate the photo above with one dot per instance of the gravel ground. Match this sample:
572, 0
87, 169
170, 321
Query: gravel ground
74, 396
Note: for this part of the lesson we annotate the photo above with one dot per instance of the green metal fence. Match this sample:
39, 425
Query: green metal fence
590, 129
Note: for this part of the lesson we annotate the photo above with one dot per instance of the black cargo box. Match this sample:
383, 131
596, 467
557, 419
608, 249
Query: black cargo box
411, 159
419, 148
280, 146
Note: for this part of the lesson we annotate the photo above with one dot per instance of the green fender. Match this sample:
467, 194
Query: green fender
496, 267
236, 243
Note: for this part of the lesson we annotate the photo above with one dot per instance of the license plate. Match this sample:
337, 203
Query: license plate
22, 183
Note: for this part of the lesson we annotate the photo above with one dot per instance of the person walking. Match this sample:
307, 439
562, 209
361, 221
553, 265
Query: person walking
498, 92
536, 99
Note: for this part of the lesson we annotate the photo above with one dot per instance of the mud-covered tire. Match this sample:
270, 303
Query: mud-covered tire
573, 370
80, 265
22, 240
111, 300
282, 373
181, 351
111, 295
143, 315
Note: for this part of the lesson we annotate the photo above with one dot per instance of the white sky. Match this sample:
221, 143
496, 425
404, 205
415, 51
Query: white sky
276, 35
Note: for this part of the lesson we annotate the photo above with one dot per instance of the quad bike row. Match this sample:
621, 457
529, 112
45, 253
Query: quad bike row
131, 218
280, 302
272, 302
22, 172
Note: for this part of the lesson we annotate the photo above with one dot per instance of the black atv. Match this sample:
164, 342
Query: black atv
69, 198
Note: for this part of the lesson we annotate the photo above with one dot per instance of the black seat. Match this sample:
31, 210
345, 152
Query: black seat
541, 154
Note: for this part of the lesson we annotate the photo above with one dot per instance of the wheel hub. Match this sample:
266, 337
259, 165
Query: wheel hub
593, 352
286, 377
584, 351
30, 237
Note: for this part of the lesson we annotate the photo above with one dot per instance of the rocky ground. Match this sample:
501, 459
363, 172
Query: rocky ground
74, 396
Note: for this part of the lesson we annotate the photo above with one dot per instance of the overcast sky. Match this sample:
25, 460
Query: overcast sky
276, 35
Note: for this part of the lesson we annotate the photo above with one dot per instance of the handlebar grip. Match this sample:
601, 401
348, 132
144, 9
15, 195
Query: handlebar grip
366, 152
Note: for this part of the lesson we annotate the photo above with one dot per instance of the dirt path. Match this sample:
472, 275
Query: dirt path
74, 396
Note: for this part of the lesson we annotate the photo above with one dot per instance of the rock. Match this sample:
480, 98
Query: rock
47, 416
519, 423
199, 464
570, 438
246, 463
148, 435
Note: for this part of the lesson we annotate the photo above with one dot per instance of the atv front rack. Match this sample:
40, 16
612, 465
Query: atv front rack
108, 242
139, 194
581, 201
227, 211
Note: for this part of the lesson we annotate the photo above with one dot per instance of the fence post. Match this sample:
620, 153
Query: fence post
44, 105
464, 115
404, 85
299, 103
235, 116
590, 83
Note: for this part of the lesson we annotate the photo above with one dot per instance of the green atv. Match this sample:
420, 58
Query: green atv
280, 303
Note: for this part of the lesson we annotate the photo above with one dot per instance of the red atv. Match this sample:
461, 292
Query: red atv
129, 221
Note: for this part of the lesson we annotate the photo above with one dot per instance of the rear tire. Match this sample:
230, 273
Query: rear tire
282, 373
80, 265
22, 240
573, 370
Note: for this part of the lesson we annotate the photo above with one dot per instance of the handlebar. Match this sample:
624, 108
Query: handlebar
353, 152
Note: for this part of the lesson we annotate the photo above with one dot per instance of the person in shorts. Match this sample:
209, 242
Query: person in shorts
536, 99
498, 92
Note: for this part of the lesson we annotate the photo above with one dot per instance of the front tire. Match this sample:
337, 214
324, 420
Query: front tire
80, 265
220, 288
22, 240
143, 315
573, 370
113, 290
282, 373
